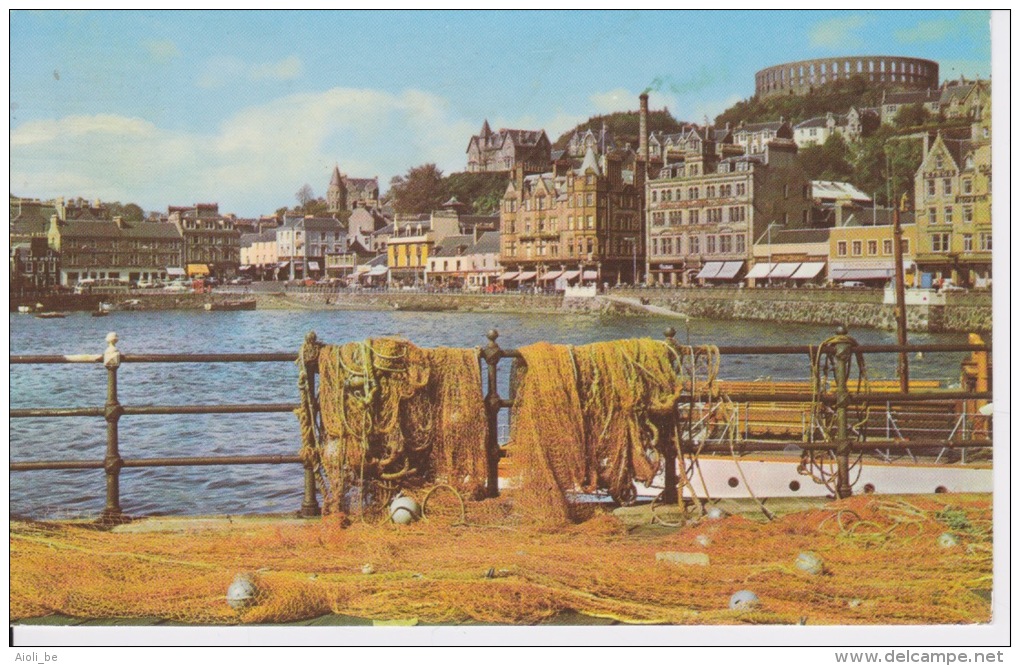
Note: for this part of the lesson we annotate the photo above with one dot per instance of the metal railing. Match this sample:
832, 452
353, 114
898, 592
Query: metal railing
842, 444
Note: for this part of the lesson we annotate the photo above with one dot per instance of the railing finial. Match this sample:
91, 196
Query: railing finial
492, 334
111, 357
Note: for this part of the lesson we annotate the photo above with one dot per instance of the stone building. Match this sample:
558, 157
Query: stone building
302, 244
850, 126
35, 267
505, 149
115, 249
705, 212
582, 222
212, 246
953, 205
467, 261
754, 137
346, 193
803, 76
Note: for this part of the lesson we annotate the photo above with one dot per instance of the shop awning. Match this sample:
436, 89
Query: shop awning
313, 265
246, 267
283, 264
783, 271
509, 275
551, 275
570, 275
808, 270
526, 275
710, 270
728, 271
590, 275
198, 269
759, 271
175, 271
378, 270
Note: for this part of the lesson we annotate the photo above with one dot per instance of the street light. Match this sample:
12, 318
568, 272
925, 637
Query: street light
768, 234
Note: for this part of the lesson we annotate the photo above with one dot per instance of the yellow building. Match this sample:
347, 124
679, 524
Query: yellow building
953, 196
864, 253
408, 249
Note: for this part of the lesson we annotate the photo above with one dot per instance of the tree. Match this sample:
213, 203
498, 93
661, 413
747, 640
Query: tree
421, 190
304, 195
912, 115
829, 161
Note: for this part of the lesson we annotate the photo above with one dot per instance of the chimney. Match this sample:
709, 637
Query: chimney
519, 178
643, 129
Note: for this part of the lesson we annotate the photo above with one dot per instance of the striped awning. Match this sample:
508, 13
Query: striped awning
509, 275
526, 275
313, 265
175, 271
783, 271
710, 270
570, 275
863, 274
758, 271
728, 270
808, 270
551, 275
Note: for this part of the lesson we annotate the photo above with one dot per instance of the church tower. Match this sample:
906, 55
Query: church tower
336, 195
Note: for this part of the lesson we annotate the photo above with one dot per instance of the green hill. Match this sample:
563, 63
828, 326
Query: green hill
624, 126
837, 97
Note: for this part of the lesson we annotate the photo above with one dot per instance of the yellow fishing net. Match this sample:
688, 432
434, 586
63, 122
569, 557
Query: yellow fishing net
391, 416
886, 561
588, 418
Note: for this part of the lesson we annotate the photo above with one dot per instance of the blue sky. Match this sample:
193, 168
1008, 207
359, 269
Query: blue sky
176, 107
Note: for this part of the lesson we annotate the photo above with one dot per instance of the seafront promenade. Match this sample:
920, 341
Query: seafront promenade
962, 312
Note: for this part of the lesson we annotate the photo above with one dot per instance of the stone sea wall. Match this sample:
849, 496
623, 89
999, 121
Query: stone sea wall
963, 312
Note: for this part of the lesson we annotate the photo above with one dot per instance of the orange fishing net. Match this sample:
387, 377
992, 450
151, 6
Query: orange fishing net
393, 416
584, 419
886, 560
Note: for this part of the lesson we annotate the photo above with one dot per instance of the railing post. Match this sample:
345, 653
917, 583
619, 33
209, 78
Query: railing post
843, 352
491, 354
310, 504
668, 444
112, 463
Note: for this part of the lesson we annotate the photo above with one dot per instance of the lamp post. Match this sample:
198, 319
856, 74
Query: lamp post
768, 233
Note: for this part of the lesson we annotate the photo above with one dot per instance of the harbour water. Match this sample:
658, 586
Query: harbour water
277, 488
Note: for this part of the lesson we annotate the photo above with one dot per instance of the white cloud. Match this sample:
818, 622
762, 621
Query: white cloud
927, 31
287, 69
252, 163
838, 32
161, 50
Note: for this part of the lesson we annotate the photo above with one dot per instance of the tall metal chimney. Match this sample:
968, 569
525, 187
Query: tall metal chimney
643, 129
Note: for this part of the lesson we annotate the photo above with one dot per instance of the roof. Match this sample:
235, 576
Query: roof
877, 217
760, 127
109, 229
800, 236
958, 149
488, 243
385, 231
363, 183
453, 246
377, 260
818, 121
830, 189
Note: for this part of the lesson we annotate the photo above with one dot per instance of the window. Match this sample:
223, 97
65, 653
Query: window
948, 215
676, 217
968, 242
872, 247
725, 190
655, 196
905, 246
591, 222
692, 193
931, 188
694, 242
887, 246
737, 214
841, 248
932, 216
940, 242
570, 222
858, 247
710, 191
714, 215
947, 186
710, 245
968, 214
726, 244
658, 219
692, 217
741, 244
967, 186
986, 241
655, 246
741, 189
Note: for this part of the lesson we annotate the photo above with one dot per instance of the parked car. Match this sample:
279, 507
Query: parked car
241, 280
851, 284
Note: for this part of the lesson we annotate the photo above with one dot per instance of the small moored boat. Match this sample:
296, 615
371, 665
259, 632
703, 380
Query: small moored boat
231, 305
50, 315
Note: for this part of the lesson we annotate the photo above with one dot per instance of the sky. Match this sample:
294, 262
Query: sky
167, 108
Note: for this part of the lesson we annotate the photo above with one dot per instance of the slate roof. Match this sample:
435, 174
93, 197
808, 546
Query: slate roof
453, 246
800, 236
488, 243
829, 189
109, 229
881, 217
911, 97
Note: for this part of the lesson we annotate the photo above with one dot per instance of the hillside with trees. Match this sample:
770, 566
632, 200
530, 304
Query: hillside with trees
425, 188
624, 126
836, 97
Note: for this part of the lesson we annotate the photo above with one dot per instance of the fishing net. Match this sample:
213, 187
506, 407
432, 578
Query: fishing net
890, 560
391, 416
590, 418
